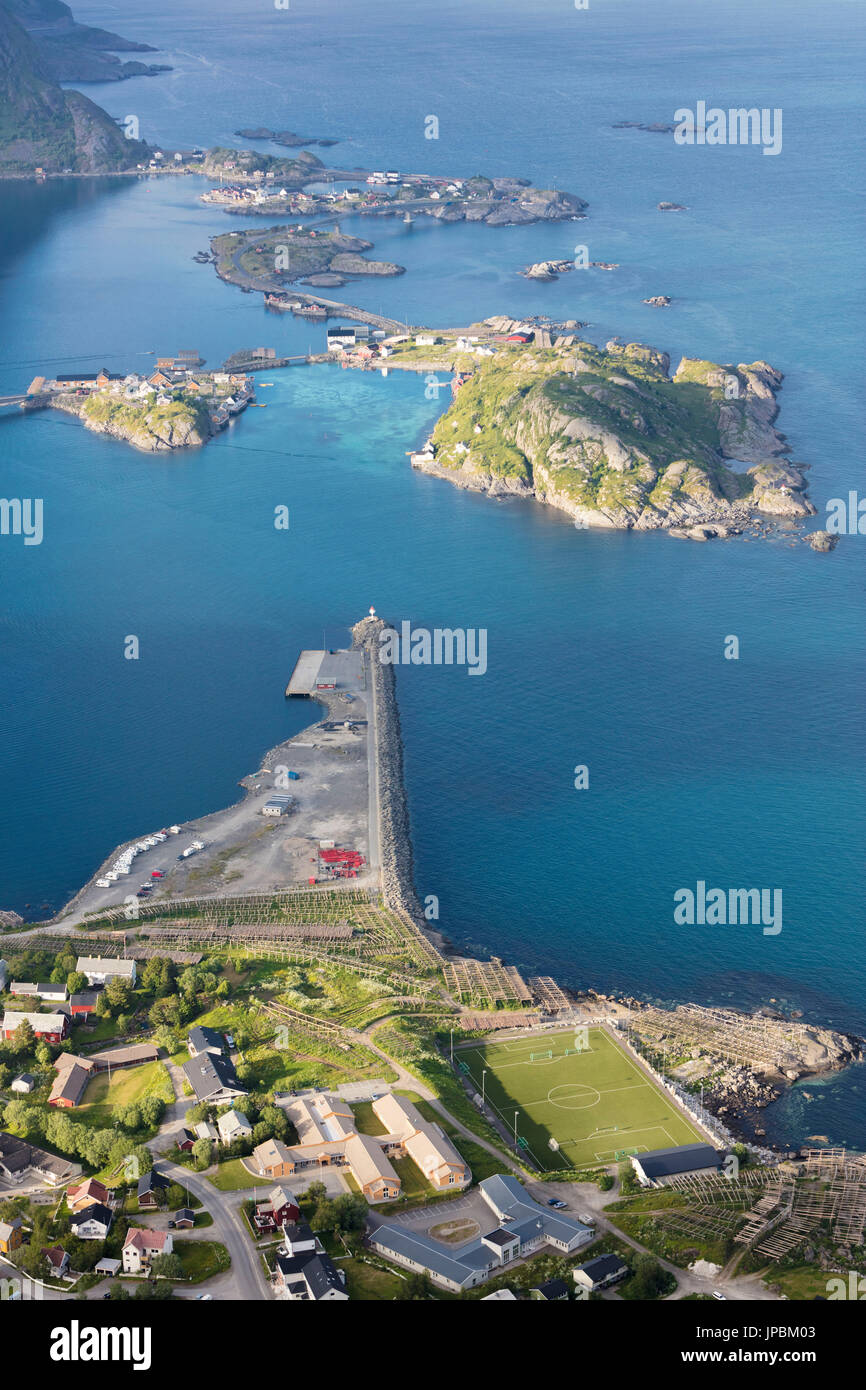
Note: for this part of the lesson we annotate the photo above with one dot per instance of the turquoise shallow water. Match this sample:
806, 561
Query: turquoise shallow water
603, 649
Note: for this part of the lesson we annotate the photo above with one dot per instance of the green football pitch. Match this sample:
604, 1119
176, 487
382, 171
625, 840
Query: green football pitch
594, 1101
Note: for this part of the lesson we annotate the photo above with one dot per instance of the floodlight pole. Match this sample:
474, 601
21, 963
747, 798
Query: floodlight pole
516, 1113
483, 1074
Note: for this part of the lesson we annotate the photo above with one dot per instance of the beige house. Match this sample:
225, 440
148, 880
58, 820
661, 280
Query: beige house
328, 1137
372, 1170
274, 1159
425, 1143
321, 1119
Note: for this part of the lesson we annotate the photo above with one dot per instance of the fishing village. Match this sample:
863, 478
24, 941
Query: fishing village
353, 1102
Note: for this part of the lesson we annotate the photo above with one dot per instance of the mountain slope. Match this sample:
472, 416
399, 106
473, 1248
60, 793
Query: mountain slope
43, 126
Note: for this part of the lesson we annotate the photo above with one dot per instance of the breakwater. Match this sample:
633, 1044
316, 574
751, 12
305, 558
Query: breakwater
395, 841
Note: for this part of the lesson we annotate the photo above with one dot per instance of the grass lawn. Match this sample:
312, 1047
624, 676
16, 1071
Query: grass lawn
232, 1176
802, 1282
367, 1122
201, 1259
414, 1183
103, 1096
100, 1031
596, 1103
365, 1282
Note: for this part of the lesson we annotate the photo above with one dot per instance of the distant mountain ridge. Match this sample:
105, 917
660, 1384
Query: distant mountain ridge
73, 52
42, 126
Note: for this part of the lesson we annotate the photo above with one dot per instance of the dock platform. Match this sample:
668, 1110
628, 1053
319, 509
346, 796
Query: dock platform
327, 670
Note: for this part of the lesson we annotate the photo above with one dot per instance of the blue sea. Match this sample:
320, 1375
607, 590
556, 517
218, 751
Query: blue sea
604, 649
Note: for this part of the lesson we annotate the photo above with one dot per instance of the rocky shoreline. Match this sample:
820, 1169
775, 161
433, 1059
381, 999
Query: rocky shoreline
734, 1094
147, 435
599, 433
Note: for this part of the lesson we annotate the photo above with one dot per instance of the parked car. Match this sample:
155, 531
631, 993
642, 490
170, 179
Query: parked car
721, 1296
555, 1202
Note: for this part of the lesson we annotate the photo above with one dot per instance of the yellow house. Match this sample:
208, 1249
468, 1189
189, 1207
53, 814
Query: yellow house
11, 1235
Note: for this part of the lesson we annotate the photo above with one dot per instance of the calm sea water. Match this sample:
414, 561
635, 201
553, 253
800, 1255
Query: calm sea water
604, 649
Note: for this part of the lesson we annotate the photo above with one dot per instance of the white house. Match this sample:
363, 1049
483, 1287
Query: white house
298, 1239
93, 1223
233, 1125
141, 1247
46, 991
24, 1083
313, 1278
99, 971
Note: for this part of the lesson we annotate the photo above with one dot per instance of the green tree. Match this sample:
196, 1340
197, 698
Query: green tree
158, 974
350, 1212
202, 1154
76, 982
22, 1118
118, 992
167, 1266
152, 1109
417, 1287
649, 1279
24, 1038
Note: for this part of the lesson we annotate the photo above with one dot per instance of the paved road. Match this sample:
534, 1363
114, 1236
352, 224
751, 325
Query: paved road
373, 805
246, 1278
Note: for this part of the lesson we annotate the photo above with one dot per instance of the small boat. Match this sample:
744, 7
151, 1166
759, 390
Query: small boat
408, 219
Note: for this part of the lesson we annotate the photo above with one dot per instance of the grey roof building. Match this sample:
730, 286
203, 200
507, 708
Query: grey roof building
309, 1277
599, 1272
205, 1040
655, 1167
213, 1078
524, 1226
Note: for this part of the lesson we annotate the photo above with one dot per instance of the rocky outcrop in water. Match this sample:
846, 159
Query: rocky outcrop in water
608, 436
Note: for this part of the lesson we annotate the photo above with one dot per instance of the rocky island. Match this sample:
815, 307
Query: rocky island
263, 184
267, 260
173, 408
610, 437
551, 270
283, 137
